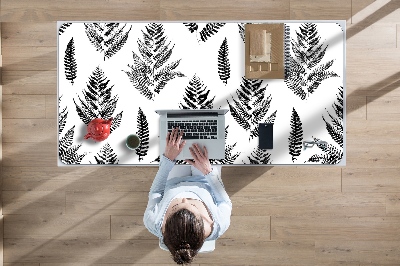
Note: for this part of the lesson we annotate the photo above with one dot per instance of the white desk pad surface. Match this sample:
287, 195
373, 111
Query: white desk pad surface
128, 70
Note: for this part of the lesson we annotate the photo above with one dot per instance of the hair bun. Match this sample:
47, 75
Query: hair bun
184, 245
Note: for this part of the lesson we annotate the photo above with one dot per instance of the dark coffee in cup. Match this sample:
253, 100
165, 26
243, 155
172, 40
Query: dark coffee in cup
132, 141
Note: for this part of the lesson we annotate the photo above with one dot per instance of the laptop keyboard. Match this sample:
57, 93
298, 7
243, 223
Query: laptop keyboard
195, 129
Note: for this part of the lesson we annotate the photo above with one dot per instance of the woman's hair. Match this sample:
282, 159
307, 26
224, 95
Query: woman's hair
184, 235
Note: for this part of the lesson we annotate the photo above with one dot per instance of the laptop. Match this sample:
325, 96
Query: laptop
206, 127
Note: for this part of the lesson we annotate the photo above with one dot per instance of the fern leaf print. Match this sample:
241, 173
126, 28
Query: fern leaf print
97, 100
259, 157
224, 69
70, 62
106, 155
143, 133
63, 27
330, 155
107, 38
306, 73
67, 152
196, 95
150, 72
192, 27
334, 126
209, 30
62, 117
252, 106
296, 136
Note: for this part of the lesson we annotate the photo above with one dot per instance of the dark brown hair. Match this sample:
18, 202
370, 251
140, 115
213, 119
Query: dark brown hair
184, 235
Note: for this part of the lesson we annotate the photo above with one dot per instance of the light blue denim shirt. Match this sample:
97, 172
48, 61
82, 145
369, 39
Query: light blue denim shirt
209, 188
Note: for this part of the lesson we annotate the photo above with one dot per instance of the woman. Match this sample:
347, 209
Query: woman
186, 211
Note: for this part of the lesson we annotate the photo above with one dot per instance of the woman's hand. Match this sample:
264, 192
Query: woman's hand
174, 144
201, 161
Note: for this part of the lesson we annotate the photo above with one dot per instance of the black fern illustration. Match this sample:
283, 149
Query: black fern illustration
335, 126
224, 68
97, 101
252, 106
296, 136
62, 117
259, 157
230, 157
192, 27
242, 31
330, 155
143, 133
158, 159
209, 29
67, 152
70, 62
107, 38
106, 155
196, 95
305, 73
150, 72
63, 27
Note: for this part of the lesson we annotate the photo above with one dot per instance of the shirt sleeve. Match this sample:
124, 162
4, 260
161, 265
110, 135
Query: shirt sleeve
156, 194
222, 199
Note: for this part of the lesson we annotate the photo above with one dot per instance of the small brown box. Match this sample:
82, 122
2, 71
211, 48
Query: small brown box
264, 48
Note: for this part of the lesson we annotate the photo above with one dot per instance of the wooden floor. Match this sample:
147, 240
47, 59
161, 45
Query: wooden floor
281, 215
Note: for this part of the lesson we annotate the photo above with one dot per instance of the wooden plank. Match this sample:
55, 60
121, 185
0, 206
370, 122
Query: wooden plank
129, 227
51, 106
364, 252
368, 12
381, 180
358, 6
53, 226
356, 108
335, 228
24, 106
29, 34
107, 203
43, 62
42, 10
30, 154
113, 264
360, 155
228, 251
29, 130
81, 179
249, 227
30, 82
286, 180
324, 9
33, 202
384, 36
393, 204
373, 132
21, 264
381, 79
383, 108
309, 204
223, 10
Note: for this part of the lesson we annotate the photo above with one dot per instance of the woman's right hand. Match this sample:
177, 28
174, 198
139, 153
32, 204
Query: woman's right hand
201, 161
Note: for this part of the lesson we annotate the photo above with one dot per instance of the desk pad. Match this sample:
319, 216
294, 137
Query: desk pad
125, 71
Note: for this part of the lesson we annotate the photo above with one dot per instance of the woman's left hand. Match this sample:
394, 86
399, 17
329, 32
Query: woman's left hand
174, 144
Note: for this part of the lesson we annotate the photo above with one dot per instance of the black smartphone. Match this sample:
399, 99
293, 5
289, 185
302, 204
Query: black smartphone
265, 136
